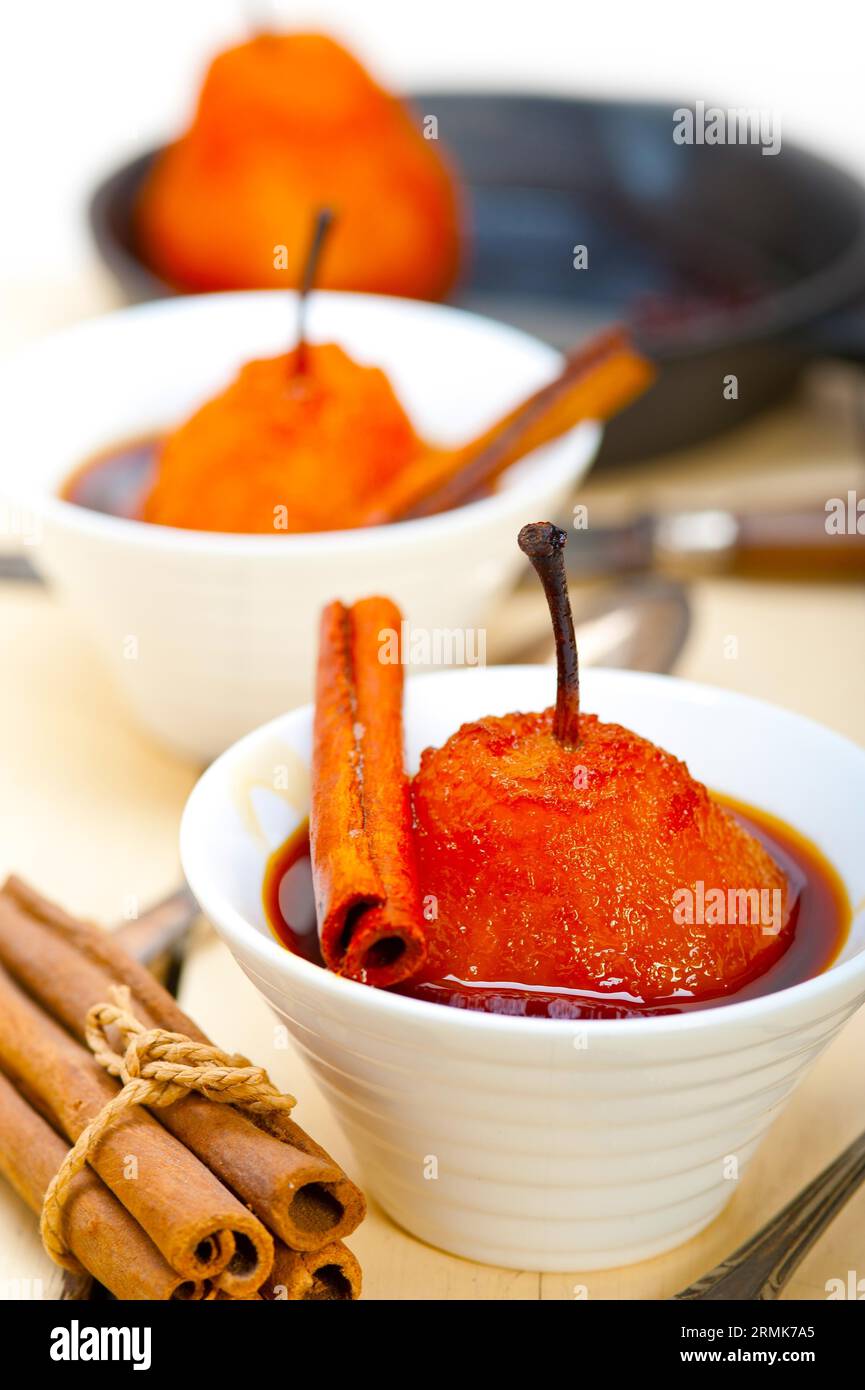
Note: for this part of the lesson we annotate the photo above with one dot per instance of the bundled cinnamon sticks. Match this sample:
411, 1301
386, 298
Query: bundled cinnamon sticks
218, 1200
102, 1235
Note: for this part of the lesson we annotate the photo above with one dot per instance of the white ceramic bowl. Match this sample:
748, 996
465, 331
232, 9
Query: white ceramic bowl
211, 634
558, 1145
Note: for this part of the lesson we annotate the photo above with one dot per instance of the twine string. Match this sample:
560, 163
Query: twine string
156, 1068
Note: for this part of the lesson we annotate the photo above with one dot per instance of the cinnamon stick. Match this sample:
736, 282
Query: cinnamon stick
199, 1227
288, 1180
330, 1274
103, 1237
363, 861
596, 381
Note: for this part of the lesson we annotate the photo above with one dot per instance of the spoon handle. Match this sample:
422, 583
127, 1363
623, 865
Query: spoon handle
162, 929
18, 566
761, 1267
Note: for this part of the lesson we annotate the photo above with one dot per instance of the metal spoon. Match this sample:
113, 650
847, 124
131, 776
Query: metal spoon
761, 1267
157, 938
638, 624
18, 567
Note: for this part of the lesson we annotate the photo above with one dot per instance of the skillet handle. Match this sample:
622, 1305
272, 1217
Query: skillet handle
841, 333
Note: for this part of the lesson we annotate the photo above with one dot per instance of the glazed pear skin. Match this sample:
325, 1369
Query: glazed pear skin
280, 450
561, 868
287, 124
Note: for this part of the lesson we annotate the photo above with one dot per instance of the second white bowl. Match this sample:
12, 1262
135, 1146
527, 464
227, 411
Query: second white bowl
209, 634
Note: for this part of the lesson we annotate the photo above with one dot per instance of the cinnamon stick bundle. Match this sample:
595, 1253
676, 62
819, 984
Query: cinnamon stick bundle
596, 381
198, 1226
293, 1186
363, 860
102, 1235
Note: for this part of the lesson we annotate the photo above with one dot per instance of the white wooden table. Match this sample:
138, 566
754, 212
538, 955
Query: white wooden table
89, 812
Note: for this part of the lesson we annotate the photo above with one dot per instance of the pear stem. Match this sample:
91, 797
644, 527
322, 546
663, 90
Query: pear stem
544, 545
312, 261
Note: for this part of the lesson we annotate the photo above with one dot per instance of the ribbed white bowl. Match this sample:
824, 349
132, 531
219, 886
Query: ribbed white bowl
535, 1143
208, 634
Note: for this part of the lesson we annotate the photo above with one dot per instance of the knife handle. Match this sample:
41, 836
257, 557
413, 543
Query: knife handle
809, 543
806, 543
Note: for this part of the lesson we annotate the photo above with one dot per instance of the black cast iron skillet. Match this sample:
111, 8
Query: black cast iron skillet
728, 262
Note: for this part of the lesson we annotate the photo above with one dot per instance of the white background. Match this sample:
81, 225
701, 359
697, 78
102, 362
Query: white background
86, 83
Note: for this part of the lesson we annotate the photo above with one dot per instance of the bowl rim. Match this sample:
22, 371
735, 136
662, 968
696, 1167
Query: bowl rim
240, 935
553, 472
